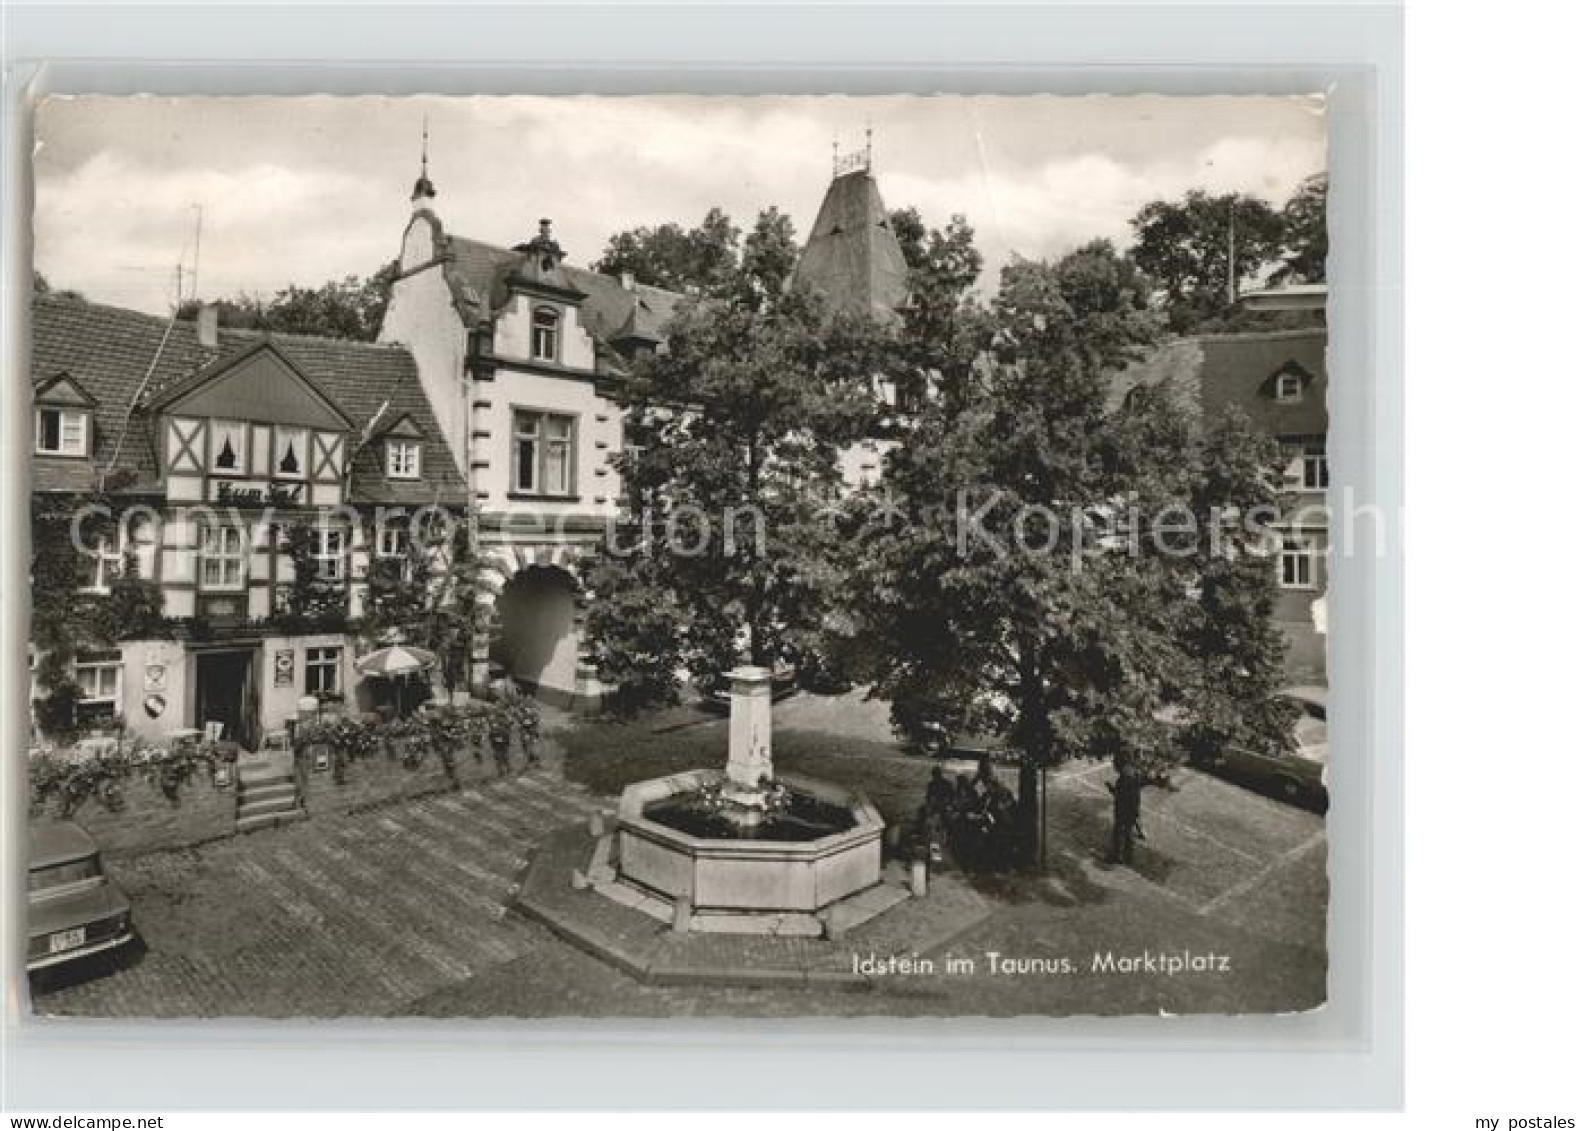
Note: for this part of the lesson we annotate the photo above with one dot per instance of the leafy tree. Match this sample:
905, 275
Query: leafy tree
703, 258
1304, 240
349, 308
943, 264
769, 253
428, 597
989, 590
1187, 246
942, 325
352, 308
241, 312
1235, 651
41, 286
734, 432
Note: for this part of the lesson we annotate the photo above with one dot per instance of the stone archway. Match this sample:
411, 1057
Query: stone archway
536, 636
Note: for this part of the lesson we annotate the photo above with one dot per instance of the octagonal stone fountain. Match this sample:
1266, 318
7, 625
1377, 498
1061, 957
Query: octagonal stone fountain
745, 839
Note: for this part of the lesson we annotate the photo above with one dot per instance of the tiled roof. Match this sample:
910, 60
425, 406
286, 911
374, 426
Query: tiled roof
475, 269
852, 257
610, 311
109, 351
1216, 370
616, 313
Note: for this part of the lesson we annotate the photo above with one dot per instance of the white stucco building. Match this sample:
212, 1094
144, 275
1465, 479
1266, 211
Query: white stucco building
519, 353
516, 350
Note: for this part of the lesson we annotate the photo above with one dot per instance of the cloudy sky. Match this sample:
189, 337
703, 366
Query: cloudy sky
300, 190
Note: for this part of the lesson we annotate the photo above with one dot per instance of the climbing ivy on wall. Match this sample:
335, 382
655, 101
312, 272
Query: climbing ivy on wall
66, 619
312, 604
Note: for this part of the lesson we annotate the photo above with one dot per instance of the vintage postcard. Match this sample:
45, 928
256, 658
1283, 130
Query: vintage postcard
671, 556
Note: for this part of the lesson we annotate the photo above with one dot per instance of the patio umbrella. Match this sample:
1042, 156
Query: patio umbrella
397, 661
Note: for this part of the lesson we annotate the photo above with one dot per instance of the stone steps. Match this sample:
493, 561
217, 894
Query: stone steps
262, 806
270, 791
253, 822
266, 794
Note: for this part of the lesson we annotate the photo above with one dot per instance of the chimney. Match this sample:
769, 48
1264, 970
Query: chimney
209, 326
628, 282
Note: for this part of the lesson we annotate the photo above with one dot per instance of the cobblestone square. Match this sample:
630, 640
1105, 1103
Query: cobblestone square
402, 910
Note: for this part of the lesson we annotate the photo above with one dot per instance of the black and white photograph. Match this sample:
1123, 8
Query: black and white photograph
679, 556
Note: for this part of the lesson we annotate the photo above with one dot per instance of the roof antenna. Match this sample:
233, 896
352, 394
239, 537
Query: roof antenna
423, 159
835, 154
869, 146
197, 250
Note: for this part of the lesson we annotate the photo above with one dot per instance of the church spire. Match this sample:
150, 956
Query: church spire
423, 192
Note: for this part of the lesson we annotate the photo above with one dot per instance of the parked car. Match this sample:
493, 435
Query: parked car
941, 729
74, 911
937, 740
1298, 775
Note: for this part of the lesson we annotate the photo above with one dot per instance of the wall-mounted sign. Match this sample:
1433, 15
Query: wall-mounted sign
257, 494
154, 706
154, 677
285, 667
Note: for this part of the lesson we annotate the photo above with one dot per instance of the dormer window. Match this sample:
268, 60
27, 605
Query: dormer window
403, 459
61, 431
545, 342
1289, 387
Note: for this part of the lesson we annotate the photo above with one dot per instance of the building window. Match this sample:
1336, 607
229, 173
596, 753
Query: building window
403, 459
322, 672
1305, 463
545, 340
61, 432
104, 564
542, 453
291, 453
329, 554
393, 544
222, 555
1289, 387
1316, 474
227, 447
1297, 563
100, 681
393, 541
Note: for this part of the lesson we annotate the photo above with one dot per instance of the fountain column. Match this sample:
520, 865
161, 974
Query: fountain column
748, 751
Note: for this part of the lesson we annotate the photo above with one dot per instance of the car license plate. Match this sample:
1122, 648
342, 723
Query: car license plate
68, 940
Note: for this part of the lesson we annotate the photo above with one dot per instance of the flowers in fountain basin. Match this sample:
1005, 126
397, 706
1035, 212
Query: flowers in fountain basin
716, 796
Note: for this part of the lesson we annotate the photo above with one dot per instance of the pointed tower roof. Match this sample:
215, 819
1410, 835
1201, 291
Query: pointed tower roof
852, 256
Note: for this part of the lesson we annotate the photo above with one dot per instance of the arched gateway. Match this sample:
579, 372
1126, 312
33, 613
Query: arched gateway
532, 608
